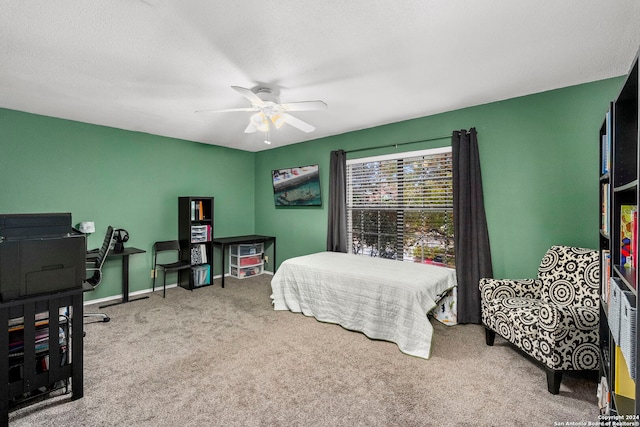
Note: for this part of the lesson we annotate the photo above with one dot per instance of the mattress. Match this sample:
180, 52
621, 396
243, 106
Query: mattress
384, 299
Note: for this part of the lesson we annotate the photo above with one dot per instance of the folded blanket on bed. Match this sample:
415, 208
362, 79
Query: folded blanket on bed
384, 299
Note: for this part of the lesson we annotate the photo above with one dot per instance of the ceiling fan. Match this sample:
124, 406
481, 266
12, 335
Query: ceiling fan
268, 109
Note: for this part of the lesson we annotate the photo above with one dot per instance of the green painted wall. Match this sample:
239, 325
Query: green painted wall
539, 160
539, 157
126, 179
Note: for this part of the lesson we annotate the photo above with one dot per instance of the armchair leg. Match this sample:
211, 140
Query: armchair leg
489, 336
554, 378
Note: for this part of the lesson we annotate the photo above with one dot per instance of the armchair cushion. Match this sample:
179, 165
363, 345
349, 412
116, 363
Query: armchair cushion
554, 317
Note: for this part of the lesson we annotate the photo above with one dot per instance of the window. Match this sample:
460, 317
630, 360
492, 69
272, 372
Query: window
401, 206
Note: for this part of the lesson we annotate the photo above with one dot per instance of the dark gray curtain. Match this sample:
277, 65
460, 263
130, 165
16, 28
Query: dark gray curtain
473, 254
337, 228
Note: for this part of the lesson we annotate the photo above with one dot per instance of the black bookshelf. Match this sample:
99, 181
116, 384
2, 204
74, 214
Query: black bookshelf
195, 233
50, 357
619, 140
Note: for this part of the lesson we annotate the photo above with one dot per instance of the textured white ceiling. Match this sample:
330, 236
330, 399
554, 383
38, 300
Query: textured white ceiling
148, 65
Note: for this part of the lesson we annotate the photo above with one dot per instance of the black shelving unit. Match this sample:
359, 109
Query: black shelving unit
195, 233
619, 140
40, 348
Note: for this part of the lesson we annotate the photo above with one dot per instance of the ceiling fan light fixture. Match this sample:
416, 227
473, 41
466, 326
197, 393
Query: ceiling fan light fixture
260, 122
277, 120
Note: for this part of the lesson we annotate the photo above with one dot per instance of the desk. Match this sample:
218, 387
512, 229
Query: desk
236, 240
125, 273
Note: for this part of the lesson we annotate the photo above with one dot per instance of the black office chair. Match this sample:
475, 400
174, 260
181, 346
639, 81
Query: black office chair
166, 246
95, 261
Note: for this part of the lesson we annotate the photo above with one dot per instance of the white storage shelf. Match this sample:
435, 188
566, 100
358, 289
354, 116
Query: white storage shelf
246, 260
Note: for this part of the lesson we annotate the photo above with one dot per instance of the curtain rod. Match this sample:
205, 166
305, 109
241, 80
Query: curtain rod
435, 138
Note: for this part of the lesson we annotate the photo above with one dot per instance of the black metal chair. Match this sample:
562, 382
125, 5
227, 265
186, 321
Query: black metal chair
167, 246
95, 261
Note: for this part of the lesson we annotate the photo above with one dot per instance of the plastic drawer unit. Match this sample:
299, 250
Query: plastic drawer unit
246, 260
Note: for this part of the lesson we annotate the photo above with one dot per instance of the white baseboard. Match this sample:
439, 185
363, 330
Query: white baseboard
132, 294
147, 291
229, 274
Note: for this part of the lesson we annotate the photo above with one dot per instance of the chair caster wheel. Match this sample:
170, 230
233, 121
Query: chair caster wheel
106, 319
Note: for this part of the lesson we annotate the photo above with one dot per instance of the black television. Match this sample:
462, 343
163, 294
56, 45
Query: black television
39, 253
299, 186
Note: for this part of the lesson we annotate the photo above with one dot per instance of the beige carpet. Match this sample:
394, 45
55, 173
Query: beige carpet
224, 357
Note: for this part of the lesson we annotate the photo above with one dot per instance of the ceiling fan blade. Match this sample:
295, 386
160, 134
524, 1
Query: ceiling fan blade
296, 122
251, 128
228, 110
304, 106
247, 93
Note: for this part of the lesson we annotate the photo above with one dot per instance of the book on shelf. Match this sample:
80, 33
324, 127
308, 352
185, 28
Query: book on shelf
628, 235
606, 146
605, 209
605, 275
41, 319
605, 155
197, 210
41, 341
634, 239
199, 254
45, 363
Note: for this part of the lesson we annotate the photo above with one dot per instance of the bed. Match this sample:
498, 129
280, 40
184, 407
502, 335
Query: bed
384, 299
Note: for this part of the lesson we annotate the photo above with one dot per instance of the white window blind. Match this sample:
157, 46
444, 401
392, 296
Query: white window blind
401, 206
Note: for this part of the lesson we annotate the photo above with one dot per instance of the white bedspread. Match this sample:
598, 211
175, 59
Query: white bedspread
384, 299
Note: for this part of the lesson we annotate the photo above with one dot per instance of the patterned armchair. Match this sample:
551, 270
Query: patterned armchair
553, 318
